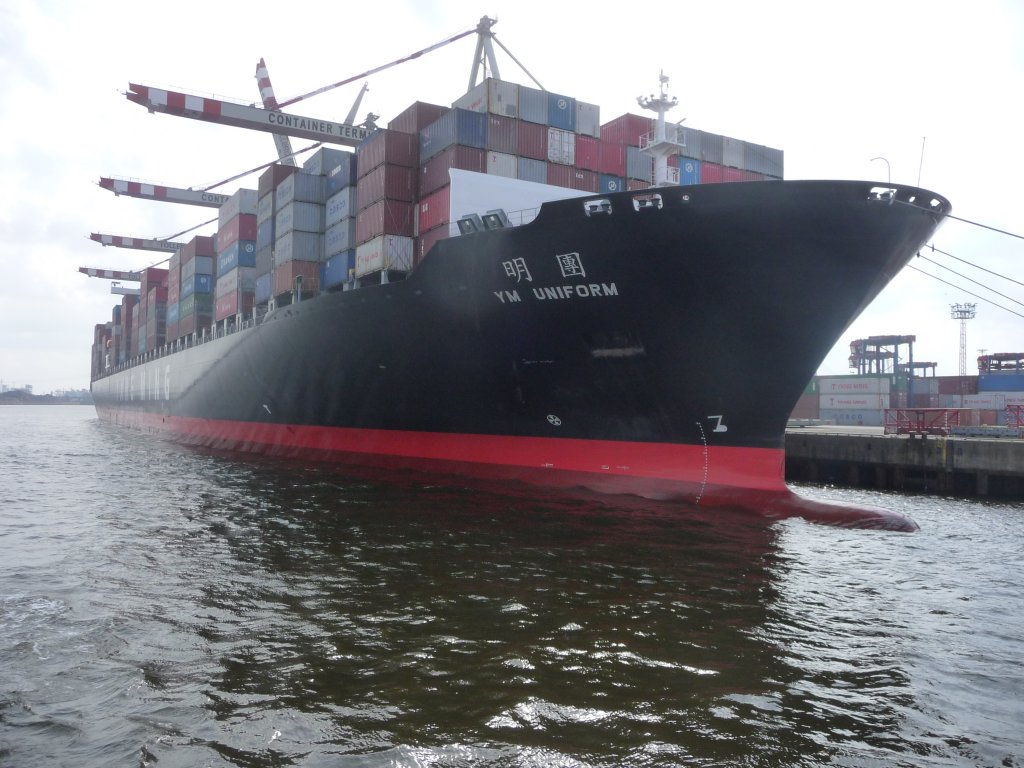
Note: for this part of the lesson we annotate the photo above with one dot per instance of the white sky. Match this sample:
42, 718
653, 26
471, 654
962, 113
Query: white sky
833, 84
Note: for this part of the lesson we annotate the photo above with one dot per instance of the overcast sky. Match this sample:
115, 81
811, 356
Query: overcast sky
833, 84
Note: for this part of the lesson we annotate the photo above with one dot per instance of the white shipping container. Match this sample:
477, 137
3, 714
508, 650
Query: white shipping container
561, 146
588, 119
243, 201
239, 278
854, 385
265, 207
298, 246
502, 164
340, 205
340, 237
384, 252
993, 401
853, 417
854, 402
494, 96
299, 216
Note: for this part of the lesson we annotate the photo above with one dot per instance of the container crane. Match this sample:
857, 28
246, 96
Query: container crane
140, 189
138, 243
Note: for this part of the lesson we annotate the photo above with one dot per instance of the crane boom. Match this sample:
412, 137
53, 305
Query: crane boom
163, 194
112, 274
244, 116
282, 142
138, 243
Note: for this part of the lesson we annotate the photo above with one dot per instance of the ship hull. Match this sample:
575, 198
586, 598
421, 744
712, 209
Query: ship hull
656, 349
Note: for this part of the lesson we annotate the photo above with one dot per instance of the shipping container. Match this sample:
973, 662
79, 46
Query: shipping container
584, 180
265, 234
502, 134
711, 148
588, 153
298, 246
711, 173
732, 152
195, 303
606, 182
386, 252
562, 112
692, 144
612, 158
689, 171
763, 160
854, 385
732, 174
239, 253
338, 269
428, 238
561, 146
297, 275
806, 407
272, 177
195, 323
229, 306
957, 385
639, 165
502, 164
626, 129
242, 202
265, 260
853, 402
340, 205
265, 208
532, 141
434, 173
634, 185
386, 146
434, 210
416, 117
264, 288
200, 265
997, 382
560, 175
340, 237
855, 418
393, 182
239, 279
459, 126
241, 227
200, 245
385, 217
493, 96
588, 119
300, 217
326, 159
299, 186
533, 105
196, 284
172, 317
533, 170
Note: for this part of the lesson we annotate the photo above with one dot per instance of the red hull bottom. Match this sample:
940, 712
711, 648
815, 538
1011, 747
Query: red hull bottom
746, 478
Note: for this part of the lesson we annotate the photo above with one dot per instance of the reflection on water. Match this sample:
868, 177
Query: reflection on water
208, 611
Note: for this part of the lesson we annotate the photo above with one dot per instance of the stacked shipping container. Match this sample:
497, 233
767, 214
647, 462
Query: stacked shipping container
236, 256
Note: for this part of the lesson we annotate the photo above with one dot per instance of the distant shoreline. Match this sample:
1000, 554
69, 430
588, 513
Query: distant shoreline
20, 397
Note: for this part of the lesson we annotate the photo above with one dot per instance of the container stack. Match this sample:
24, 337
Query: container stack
173, 295
236, 256
195, 303
298, 233
266, 212
1001, 392
854, 400
385, 202
129, 306
101, 334
150, 332
339, 221
113, 351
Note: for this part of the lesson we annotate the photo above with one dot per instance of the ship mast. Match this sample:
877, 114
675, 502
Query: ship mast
666, 139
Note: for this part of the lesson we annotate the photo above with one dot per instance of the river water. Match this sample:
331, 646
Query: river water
165, 607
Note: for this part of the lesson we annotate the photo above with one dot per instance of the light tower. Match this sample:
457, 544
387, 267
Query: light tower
963, 313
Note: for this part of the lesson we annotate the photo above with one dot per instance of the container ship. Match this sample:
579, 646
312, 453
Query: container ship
510, 289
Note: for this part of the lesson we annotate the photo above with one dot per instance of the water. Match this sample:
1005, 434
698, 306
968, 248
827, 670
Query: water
162, 607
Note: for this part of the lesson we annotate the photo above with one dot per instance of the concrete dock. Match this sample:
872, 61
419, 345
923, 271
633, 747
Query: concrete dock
865, 457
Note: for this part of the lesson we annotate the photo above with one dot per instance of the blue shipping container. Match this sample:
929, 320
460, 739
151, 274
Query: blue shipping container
561, 112
265, 234
459, 126
335, 270
341, 175
1001, 382
609, 183
172, 312
264, 287
689, 171
241, 253
532, 170
197, 284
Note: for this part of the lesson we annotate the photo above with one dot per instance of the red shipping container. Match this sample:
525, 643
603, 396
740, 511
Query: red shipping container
416, 117
385, 217
200, 245
560, 175
395, 182
611, 158
626, 129
588, 153
427, 239
435, 209
156, 295
285, 274
172, 330
732, 174
532, 140
232, 304
711, 173
241, 227
583, 180
174, 292
434, 173
502, 134
635, 184
385, 146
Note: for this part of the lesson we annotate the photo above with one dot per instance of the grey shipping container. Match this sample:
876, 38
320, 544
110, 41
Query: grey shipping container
588, 119
299, 216
532, 170
301, 186
533, 105
639, 165
732, 152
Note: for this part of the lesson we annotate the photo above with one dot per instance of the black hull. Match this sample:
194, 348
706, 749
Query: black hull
684, 331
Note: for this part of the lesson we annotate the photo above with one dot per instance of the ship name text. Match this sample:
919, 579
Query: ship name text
559, 293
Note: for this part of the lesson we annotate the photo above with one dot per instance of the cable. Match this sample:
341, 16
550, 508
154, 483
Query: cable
976, 266
965, 277
965, 221
952, 285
